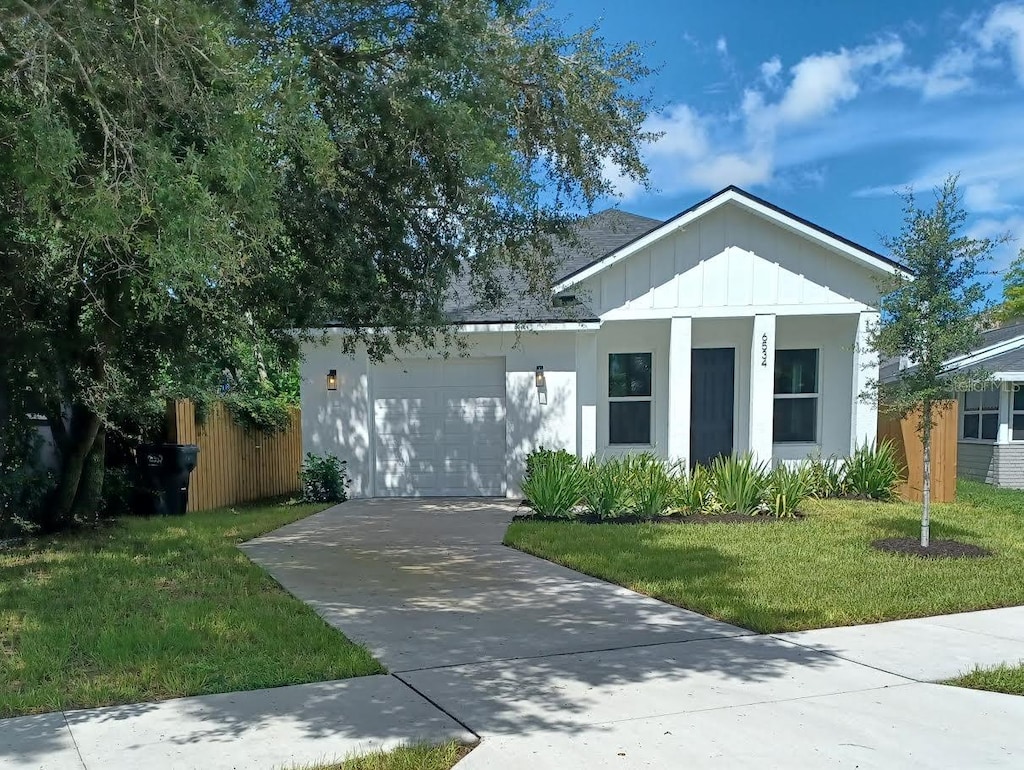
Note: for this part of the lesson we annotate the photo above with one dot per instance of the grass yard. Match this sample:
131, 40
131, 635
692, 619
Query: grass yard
157, 608
441, 757
1008, 679
813, 573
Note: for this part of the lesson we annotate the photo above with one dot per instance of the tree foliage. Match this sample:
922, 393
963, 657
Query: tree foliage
183, 182
933, 313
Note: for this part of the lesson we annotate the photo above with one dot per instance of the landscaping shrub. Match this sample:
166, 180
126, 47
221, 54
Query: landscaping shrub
873, 472
542, 455
694, 493
652, 485
825, 477
607, 489
739, 484
788, 488
324, 479
24, 486
555, 483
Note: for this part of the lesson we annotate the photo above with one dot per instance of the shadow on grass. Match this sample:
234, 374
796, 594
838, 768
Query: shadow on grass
893, 526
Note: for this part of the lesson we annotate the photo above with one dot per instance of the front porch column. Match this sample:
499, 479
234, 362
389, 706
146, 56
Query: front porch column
586, 394
762, 387
864, 412
680, 352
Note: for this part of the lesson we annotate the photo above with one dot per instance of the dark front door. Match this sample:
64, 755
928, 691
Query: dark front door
711, 403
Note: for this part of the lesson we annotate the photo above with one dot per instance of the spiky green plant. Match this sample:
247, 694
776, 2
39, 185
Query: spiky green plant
739, 484
556, 484
788, 488
607, 488
694, 493
652, 484
826, 476
873, 471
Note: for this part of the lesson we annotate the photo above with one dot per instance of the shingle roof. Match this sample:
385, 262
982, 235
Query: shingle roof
597, 236
1009, 361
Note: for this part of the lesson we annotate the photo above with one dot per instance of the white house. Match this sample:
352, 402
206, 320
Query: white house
735, 326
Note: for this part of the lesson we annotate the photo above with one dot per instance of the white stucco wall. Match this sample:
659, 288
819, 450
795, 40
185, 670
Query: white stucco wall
341, 422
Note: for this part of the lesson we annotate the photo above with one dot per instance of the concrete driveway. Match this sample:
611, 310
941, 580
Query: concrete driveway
555, 669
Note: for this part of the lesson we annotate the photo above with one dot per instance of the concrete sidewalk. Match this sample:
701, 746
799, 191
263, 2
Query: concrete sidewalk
257, 730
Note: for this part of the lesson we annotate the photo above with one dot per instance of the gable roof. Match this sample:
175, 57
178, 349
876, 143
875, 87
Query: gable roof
1001, 351
584, 269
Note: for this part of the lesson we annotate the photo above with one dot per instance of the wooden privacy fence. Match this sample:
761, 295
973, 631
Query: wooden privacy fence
903, 434
235, 464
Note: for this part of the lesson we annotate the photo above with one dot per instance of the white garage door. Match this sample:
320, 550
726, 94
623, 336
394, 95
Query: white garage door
439, 427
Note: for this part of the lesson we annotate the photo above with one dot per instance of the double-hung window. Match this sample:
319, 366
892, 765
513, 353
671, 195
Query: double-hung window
1017, 418
795, 419
629, 398
980, 410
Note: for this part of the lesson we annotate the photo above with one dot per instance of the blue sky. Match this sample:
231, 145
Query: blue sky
827, 108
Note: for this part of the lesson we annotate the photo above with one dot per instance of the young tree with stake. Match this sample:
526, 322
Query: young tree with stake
931, 315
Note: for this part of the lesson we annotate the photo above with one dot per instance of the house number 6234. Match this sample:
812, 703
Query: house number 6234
764, 350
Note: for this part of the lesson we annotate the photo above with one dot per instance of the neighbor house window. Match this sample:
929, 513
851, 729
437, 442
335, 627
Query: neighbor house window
796, 396
981, 415
629, 398
1017, 418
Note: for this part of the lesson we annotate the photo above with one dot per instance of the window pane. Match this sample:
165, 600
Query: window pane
972, 401
989, 426
796, 371
1018, 427
796, 419
971, 423
1018, 397
629, 422
629, 374
990, 399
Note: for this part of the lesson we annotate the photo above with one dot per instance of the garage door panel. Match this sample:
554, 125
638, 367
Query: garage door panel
440, 427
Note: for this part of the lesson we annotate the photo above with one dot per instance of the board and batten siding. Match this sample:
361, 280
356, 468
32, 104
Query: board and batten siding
727, 260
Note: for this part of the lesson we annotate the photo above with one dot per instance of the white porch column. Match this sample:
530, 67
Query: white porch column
586, 393
864, 412
762, 387
680, 353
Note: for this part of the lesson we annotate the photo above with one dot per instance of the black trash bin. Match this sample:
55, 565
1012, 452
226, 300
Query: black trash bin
164, 473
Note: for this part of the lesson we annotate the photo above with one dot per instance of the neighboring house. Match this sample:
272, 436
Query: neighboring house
735, 326
991, 427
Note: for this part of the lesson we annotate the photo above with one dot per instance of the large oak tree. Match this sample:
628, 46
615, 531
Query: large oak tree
180, 179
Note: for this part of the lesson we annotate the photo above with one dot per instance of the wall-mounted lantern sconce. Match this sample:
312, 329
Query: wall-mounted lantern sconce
332, 379
539, 378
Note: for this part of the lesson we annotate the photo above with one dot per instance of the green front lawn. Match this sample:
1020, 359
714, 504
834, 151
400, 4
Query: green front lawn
441, 757
814, 573
157, 608
1008, 679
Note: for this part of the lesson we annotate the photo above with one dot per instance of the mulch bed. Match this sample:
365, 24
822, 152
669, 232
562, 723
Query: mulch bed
938, 549
690, 518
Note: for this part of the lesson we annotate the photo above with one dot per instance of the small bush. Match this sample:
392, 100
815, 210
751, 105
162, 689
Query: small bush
788, 488
118, 495
24, 486
652, 485
825, 477
873, 472
607, 488
542, 455
324, 479
694, 493
739, 484
555, 483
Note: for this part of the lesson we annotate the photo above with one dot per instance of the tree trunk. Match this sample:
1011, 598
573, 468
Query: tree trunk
90, 489
83, 427
926, 512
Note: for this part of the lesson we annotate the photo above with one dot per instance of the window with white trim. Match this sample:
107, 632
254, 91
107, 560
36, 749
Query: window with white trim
979, 411
630, 397
1017, 412
795, 419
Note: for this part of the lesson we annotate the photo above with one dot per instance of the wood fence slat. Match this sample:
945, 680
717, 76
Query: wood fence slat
903, 434
235, 465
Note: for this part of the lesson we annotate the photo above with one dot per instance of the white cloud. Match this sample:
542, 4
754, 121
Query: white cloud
1004, 28
722, 46
952, 73
770, 70
998, 228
